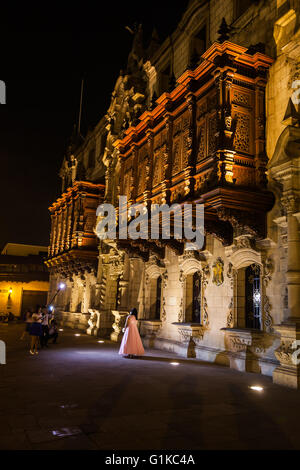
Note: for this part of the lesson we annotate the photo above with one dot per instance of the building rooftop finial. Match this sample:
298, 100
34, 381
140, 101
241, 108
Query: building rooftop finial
223, 31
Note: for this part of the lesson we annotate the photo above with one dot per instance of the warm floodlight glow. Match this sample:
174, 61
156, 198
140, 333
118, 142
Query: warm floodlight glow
100, 342
77, 334
10, 291
62, 286
174, 363
60, 329
257, 388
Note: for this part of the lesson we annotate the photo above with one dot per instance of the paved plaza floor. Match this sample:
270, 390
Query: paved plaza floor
80, 394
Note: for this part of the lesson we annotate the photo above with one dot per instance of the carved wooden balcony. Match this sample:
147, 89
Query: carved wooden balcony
205, 143
73, 244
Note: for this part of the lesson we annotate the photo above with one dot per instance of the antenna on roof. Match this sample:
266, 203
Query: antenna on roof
80, 107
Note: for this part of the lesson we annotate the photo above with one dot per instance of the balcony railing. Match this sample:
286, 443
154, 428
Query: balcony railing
205, 143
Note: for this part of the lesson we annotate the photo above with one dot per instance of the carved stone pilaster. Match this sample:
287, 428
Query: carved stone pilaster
245, 347
108, 161
230, 315
231, 275
288, 372
163, 311
118, 325
190, 335
93, 322
180, 312
150, 328
205, 278
165, 279
266, 278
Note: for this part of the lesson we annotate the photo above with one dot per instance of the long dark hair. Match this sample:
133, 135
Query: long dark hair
134, 312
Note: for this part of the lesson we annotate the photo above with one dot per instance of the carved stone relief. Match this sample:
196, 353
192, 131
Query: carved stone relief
218, 272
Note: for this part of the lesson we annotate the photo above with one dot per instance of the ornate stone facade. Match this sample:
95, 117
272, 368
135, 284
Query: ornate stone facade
225, 135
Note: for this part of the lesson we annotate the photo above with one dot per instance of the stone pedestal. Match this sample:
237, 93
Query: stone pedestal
245, 347
237, 344
150, 329
74, 320
93, 322
190, 335
118, 325
288, 373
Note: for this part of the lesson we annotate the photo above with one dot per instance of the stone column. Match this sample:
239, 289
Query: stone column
288, 373
284, 167
293, 271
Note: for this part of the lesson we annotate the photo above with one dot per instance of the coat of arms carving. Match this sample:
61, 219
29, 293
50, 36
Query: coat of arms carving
218, 272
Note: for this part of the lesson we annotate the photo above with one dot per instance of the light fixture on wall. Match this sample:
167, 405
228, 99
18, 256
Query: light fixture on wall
61, 286
257, 388
10, 291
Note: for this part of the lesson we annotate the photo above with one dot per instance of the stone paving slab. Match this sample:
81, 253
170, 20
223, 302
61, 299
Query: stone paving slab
80, 394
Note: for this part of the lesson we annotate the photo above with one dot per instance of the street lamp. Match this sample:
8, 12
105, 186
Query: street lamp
60, 287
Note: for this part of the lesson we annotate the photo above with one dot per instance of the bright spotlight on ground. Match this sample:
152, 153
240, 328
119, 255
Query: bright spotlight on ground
101, 342
60, 329
77, 334
174, 363
257, 388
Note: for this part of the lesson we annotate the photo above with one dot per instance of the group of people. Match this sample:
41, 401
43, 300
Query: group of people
41, 327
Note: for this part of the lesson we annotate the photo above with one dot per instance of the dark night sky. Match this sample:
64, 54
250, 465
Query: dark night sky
46, 49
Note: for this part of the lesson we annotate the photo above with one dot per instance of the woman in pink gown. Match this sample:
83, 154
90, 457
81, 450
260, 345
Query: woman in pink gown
131, 344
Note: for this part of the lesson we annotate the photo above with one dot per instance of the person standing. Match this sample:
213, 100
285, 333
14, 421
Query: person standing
53, 331
28, 321
36, 331
45, 327
131, 344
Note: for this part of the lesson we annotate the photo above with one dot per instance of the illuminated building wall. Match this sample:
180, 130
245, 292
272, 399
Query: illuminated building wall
24, 279
162, 138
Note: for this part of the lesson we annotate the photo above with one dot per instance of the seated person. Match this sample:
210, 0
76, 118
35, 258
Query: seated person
10, 316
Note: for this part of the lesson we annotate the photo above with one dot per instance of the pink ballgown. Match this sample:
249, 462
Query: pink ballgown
131, 341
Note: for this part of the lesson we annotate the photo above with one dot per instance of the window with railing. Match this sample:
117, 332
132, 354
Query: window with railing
193, 298
252, 297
